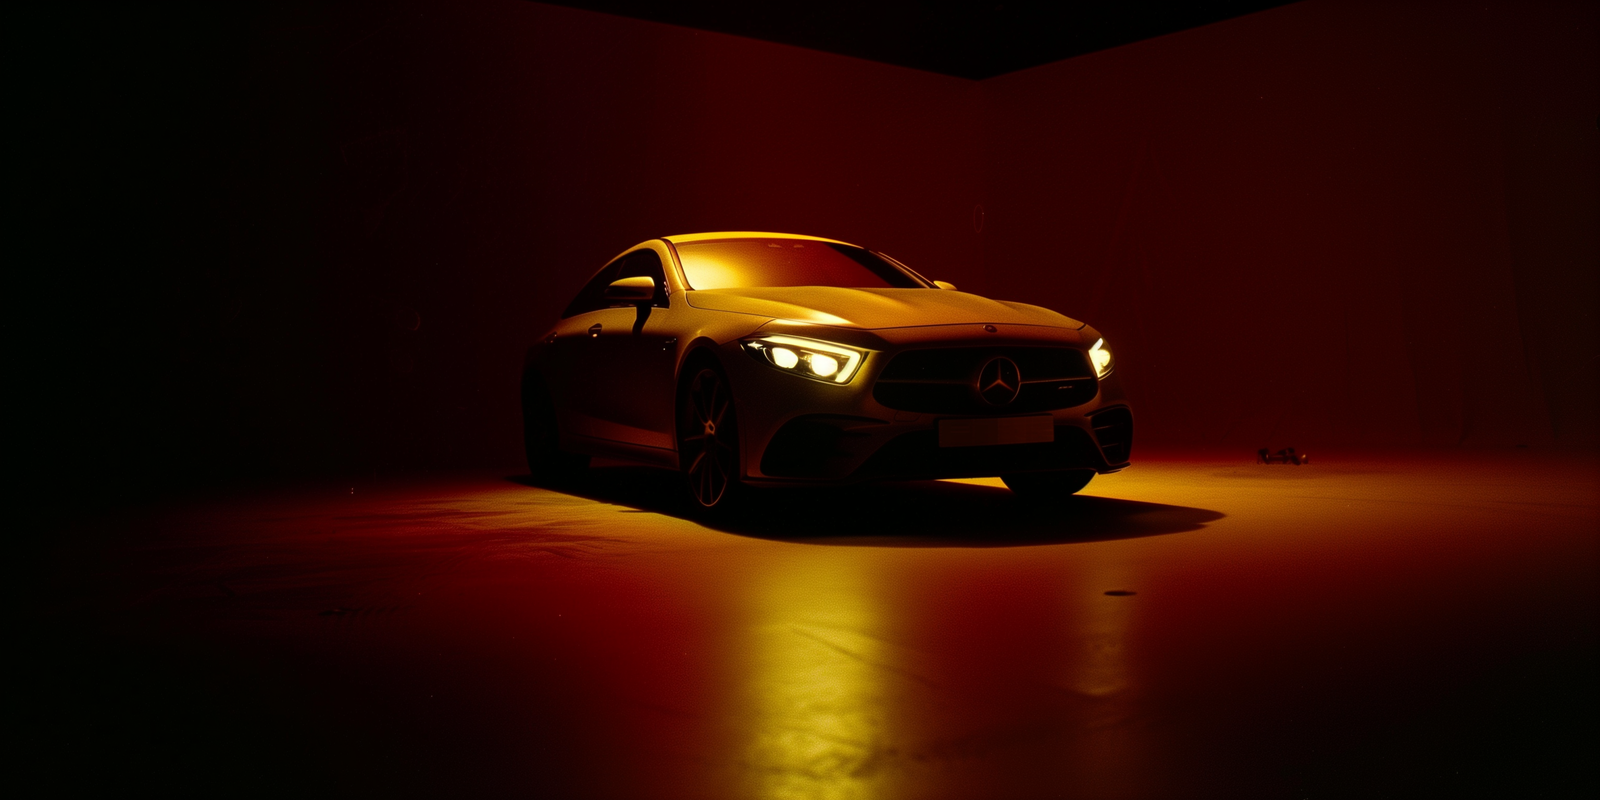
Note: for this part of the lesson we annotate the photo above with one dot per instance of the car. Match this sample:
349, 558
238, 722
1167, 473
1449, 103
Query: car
748, 359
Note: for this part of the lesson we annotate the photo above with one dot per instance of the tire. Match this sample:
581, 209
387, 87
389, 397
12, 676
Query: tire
1041, 486
547, 462
708, 437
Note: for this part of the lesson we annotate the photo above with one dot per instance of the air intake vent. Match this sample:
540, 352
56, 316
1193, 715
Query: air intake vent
1113, 429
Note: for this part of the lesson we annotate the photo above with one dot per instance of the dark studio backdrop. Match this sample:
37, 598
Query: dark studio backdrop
314, 239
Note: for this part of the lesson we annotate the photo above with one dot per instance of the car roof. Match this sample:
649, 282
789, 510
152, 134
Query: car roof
706, 237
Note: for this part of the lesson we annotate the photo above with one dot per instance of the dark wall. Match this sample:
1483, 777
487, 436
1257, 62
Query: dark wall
1550, 113
532, 143
314, 239
1333, 223
332, 229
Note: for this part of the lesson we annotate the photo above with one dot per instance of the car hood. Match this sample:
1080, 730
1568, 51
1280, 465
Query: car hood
876, 308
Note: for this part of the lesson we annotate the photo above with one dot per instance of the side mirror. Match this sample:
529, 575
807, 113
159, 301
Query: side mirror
638, 289
945, 285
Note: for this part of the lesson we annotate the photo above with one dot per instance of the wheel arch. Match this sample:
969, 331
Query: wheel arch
700, 355
702, 349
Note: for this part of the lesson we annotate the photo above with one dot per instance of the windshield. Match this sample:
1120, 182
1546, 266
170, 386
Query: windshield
754, 263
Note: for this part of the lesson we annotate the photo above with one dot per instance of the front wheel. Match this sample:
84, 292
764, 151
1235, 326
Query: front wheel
708, 438
1036, 486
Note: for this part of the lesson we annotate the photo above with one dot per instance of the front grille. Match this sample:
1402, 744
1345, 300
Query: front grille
944, 380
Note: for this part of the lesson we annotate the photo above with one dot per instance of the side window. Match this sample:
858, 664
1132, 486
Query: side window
593, 295
640, 262
646, 263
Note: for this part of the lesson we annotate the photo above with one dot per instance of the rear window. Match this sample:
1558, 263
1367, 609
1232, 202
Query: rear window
755, 263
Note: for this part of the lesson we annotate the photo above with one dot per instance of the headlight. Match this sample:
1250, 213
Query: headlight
1101, 358
808, 358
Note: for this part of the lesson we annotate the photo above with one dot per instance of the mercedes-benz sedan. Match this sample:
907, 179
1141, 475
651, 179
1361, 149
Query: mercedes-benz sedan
746, 358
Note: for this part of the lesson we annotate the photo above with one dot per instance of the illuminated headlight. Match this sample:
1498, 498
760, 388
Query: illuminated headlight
1100, 356
809, 358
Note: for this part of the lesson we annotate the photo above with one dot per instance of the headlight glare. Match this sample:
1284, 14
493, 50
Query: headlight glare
809, 358
1100, 356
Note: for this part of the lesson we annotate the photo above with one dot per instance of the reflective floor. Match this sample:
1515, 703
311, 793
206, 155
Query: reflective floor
1366, 626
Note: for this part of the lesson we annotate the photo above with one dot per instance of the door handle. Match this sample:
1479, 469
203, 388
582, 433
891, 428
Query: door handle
594, 330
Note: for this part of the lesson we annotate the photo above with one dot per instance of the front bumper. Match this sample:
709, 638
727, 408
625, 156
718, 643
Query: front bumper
794, 430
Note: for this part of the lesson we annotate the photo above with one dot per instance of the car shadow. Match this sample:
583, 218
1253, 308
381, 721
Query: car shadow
900, 514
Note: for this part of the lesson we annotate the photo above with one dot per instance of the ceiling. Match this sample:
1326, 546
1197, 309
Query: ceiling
973, 39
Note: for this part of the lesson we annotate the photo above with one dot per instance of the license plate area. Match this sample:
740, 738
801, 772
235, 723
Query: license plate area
996, 430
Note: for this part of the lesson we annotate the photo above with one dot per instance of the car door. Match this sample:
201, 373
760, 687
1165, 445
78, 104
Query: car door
570, 355
634, 348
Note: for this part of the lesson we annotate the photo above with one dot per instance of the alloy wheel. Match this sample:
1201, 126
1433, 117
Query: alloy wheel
707, 438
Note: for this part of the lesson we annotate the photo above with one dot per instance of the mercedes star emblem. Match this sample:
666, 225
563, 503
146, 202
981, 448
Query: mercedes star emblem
999, 381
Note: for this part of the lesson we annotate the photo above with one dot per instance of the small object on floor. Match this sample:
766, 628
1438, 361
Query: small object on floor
1284, 456
1120, 593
